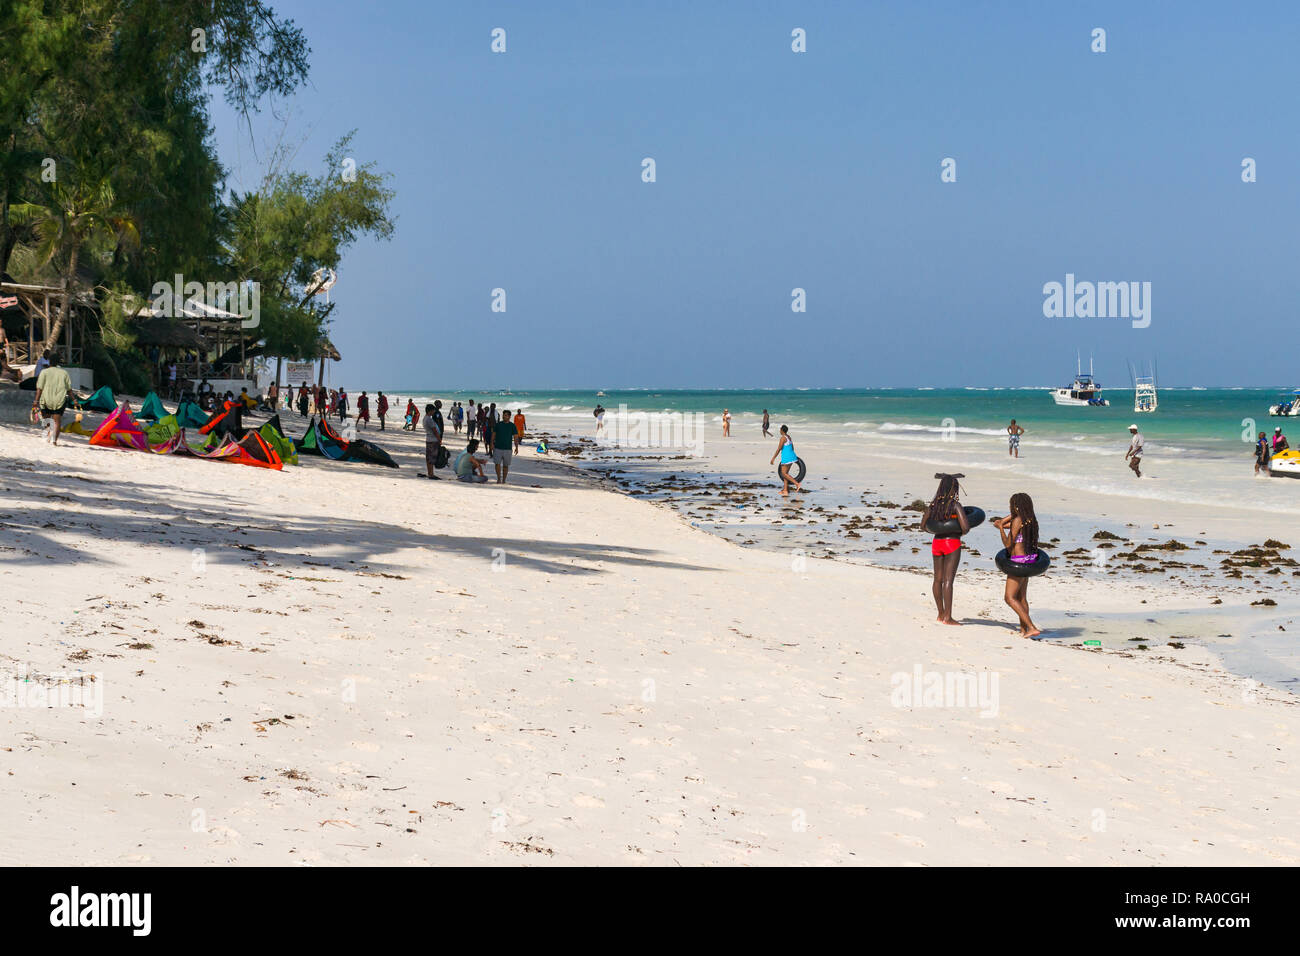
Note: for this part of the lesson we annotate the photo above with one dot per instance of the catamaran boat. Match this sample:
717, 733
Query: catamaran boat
1289, 407
1084, 391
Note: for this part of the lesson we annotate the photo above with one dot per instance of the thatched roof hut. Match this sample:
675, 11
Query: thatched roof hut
168, 333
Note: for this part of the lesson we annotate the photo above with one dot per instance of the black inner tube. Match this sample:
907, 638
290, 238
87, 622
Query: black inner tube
1028, 570
950, 528
797, 470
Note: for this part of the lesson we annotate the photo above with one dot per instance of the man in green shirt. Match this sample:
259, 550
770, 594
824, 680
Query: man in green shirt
52, 388
503, 436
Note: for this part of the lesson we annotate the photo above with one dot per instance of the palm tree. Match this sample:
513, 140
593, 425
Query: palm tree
74, 217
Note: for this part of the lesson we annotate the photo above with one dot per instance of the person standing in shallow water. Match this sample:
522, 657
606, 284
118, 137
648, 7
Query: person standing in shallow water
1261, 453
946, 551
788, 459
1014, 432
1134, 453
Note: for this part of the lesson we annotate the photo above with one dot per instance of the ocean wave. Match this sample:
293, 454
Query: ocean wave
938, 429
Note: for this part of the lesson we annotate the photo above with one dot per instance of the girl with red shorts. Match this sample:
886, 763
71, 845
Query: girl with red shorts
946, 551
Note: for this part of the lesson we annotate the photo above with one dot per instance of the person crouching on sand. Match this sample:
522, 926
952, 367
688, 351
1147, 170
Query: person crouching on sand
1019, 531
788, 458
946, 551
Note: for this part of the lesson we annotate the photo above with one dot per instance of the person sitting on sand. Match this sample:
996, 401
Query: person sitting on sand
1019, 531
469, 464
946, 551
1261, 453
788, 458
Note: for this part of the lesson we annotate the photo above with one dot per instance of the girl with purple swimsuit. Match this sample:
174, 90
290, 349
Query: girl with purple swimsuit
1019, 531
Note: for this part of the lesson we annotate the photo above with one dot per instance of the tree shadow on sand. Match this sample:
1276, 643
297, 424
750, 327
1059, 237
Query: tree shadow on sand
47, 503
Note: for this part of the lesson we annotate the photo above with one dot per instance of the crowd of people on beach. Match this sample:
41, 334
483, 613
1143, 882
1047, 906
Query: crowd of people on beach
500, 435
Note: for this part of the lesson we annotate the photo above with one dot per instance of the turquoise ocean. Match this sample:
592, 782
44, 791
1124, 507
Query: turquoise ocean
1200, 422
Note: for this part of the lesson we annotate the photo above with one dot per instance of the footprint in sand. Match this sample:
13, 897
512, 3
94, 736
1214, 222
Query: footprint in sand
926, 782
586, 800
908, 840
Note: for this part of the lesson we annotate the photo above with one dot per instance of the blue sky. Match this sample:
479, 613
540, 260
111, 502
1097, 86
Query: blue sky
818, 170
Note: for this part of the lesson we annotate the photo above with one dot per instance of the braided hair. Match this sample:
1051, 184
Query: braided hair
1022, 507
944, 502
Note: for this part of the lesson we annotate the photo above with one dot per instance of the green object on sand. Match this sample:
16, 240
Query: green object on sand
101, 401
152, 407
1092, 643
284, 447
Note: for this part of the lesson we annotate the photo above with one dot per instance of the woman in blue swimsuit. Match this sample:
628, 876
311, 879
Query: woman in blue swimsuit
788, 458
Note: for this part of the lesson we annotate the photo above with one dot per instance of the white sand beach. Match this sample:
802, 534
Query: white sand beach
345, 664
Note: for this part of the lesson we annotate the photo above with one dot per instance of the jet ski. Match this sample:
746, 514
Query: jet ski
1285, 464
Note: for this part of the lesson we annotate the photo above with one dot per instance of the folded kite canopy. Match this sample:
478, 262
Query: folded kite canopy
152, 408
273, 434
189, 415
121, 429
101, 401
321, 439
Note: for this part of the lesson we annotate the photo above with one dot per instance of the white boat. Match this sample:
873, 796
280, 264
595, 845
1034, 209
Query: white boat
1288, 408
1084, 390
1144, 391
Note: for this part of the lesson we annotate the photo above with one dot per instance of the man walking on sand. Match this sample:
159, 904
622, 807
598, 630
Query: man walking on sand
503, 435
382, 407
1134, 453
519, 429
1014, 432
52, 388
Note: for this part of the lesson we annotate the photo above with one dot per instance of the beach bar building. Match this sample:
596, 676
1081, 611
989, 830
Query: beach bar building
28, 312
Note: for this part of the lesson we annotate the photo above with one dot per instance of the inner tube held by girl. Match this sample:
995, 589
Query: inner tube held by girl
950, 527
1023, 568
797, 470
